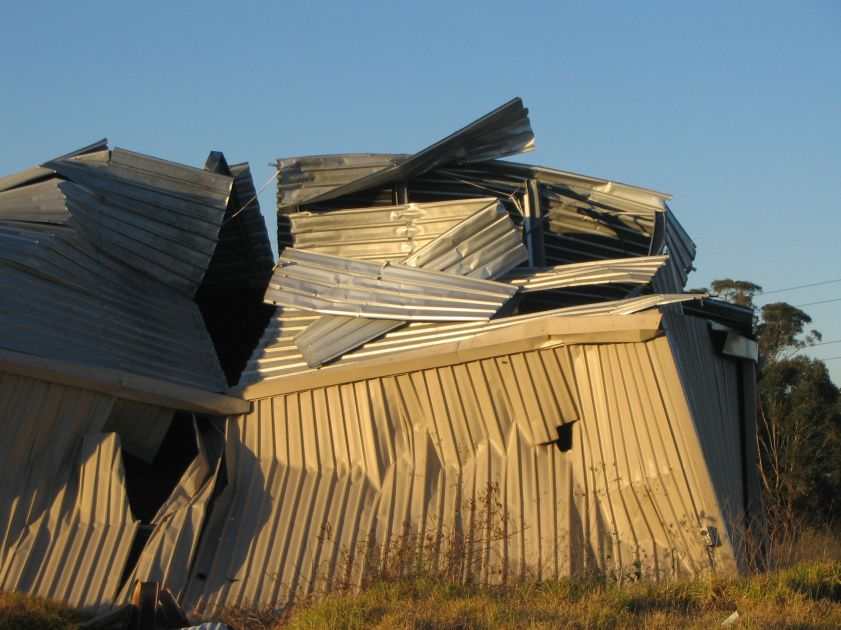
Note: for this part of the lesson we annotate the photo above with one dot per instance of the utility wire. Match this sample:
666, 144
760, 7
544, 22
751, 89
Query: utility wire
818, 302
800, 286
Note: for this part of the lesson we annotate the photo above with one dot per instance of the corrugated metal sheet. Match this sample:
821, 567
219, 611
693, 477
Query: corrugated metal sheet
277, 354
42, 202
483, 245
502, 132
87, 531
303, 178
168, 554
681, 250
158, 217
36, 173
618, 270
74, 292
385, 234
343, 286
723, 402
320, 477
141, 427
243, 256
41, 426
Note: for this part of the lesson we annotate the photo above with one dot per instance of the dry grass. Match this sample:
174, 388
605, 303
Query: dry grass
804, 596
24, 612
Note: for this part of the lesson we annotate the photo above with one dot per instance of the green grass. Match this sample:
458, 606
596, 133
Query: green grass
804, 596
807, 595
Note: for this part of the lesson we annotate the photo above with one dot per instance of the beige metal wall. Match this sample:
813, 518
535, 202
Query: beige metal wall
721, 392
66, 528
316, 477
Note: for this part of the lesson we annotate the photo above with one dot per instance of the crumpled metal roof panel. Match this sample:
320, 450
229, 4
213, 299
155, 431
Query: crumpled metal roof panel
243, 256
158, 217
342, 286
482, 245
277, 355
502, 132
381, 234
108, 280
638, 270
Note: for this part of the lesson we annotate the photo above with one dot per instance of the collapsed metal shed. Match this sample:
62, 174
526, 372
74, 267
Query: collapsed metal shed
488, 367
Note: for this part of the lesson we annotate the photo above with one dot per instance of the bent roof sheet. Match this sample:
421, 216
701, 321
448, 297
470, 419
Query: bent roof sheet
243, 255
502, 132
614, 270
89, 287
277, 356
387, 233
343, 286
159, 217
483, 245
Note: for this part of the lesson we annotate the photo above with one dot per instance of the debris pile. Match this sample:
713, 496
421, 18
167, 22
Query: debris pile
488, 368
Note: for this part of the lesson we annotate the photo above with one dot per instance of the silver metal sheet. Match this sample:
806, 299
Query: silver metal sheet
277, 355
243, 256
389, 233
502, 132
161, 218
483, 245
107, 281
617, 270
342, 286
37, 173
303, 178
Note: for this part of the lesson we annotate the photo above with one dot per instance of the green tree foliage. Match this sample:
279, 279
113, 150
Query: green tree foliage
799, 424
739, 292
780, 330
800, 440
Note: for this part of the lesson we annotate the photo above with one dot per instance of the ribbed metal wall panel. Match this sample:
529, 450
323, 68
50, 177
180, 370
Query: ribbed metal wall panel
168, 554
316, 476
41, 429
76, 550
277, 354
711, 382
142, 427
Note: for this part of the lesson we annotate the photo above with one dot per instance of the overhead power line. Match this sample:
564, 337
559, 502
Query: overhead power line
818, 302
800, 286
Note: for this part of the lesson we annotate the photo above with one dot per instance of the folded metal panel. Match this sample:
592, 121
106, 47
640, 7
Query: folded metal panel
342, 286
243, 256
389, 233
618, 270
159, 217
81, 286
41, 429
483, 245
502, 132
77, 549
357, 471
277, 355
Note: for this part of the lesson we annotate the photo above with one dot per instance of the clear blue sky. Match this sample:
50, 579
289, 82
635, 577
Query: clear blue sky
733, 107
